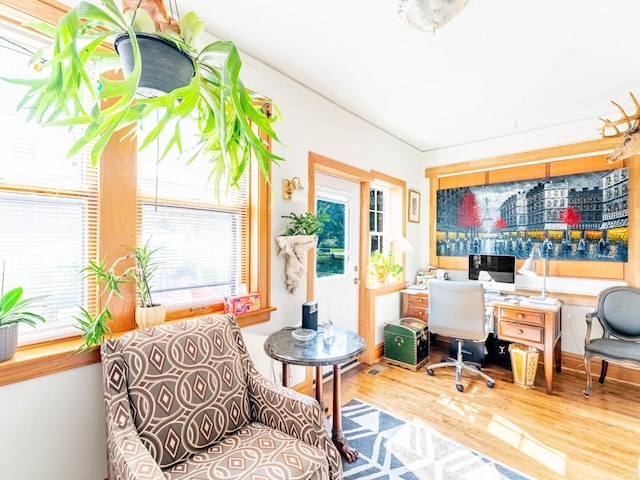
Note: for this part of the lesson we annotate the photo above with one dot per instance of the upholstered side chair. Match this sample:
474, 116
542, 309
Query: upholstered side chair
618, 311
184, 401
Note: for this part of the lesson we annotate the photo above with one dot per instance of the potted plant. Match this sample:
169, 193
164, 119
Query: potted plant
305, 223
299, 236
96, 327
13, 312
213, 97
383, 267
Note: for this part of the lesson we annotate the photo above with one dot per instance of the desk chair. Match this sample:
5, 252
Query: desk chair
456, 310
618, 313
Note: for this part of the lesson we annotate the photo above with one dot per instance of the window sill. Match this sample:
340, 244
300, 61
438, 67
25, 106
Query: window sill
385, 289
42, 359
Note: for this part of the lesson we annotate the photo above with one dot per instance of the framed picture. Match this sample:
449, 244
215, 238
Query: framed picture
414, 206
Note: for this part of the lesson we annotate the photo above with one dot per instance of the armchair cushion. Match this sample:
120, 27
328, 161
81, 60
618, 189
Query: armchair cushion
254, 451
186, 391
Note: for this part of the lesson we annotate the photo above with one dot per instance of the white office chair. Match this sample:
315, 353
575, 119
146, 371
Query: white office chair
456, 310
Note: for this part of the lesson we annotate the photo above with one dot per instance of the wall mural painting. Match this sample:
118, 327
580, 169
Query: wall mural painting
573, 217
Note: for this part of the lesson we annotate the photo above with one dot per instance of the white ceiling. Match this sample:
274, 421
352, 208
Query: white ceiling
501, 67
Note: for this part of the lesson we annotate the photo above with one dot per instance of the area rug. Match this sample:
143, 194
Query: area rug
390, 448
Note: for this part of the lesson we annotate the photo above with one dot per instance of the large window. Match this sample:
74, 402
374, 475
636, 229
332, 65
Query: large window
202, 241
59, 213
48, 204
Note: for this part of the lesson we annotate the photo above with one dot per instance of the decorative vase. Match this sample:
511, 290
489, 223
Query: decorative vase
150, 316
294, 248
8, 341
164, 66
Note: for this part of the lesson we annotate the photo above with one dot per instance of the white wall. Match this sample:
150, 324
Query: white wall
311, 124
53, 427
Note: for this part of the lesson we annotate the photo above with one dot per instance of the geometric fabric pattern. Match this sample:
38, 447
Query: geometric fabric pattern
255, 452
187, 386
390, 448
183, 400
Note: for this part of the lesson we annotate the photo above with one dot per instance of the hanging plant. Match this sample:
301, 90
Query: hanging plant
214, 98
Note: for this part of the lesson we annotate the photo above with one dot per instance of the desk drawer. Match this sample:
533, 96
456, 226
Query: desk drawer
417, 311
522, 316
419, 300
515, 332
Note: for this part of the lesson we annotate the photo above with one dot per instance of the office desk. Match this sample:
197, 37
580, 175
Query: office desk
335, 349
535, 325
538, 326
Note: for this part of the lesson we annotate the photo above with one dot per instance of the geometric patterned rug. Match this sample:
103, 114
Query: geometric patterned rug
390, 448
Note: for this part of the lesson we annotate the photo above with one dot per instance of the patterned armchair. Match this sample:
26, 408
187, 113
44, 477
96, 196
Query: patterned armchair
184, 401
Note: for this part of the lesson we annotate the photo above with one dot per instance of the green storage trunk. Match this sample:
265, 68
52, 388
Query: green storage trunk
406, 343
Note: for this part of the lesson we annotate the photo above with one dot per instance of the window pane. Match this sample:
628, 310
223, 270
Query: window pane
330, 259
197, 256
203, 239
48, 207
374, 243
42, 241
380, 202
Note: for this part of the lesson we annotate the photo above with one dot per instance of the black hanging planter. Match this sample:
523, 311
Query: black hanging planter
164, 66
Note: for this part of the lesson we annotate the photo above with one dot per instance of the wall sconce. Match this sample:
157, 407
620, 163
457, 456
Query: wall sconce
288, 186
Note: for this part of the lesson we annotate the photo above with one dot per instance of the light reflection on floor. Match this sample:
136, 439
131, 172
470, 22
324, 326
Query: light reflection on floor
516, 437
511, 434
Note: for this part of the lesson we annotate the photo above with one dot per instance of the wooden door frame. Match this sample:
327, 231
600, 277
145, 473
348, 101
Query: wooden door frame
320, 164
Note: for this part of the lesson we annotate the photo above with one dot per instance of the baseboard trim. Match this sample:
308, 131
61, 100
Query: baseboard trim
570, 361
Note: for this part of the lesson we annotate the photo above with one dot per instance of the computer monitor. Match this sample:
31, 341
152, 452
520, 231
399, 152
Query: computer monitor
495, 272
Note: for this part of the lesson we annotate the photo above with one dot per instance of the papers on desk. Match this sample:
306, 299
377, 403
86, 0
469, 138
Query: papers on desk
538, 302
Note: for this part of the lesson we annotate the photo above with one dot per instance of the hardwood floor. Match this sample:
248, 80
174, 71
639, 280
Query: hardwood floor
558, 436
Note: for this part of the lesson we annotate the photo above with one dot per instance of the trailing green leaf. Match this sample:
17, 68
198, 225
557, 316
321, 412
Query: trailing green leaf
14, 308
224, 112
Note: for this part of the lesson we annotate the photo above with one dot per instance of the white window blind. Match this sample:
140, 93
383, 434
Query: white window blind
203, 242
48, 206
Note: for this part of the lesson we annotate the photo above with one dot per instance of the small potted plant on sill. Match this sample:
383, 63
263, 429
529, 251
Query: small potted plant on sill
210, 93
300, 235
96, 327
383, 268
14, 310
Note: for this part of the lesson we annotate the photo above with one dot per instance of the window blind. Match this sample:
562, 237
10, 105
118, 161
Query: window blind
48, 206
202, 240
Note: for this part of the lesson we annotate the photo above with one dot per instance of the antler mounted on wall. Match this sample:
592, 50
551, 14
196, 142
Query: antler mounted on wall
630, 144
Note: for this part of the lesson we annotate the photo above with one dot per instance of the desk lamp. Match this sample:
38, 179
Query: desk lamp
529, 269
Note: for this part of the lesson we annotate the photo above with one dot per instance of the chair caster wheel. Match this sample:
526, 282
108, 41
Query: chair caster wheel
490, 384
430, 371
459, 387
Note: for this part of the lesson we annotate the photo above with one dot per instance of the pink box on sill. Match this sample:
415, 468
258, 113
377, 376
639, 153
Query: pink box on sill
242, 304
